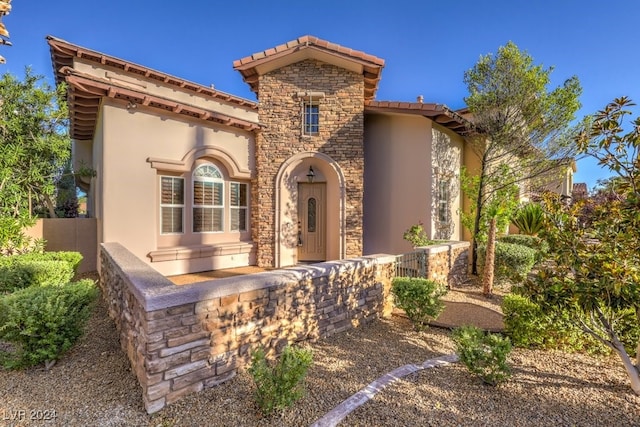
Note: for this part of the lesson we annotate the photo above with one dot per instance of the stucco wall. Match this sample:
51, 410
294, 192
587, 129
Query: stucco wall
398, 161
182, 339
69, 234
129, 209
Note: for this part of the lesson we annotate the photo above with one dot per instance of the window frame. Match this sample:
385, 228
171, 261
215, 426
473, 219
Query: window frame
213, 207
444, 203
309, 126
172, 205
239, 207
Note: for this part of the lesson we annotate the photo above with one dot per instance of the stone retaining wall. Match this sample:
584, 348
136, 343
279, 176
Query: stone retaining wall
447, 263
182, 339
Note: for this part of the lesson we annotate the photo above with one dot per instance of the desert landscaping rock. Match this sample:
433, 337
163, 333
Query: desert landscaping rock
93, 385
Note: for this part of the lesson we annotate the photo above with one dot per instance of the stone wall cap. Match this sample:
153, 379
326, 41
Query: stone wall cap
155, 292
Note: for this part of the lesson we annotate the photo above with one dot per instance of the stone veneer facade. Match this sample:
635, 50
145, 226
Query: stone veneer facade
341, 137
183, 339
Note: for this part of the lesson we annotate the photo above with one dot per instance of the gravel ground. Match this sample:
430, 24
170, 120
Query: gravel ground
93, 385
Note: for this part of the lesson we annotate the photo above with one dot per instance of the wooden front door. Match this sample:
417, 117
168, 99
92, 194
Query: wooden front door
312, 235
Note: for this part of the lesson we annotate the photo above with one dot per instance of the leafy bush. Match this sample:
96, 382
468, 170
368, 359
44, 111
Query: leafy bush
281, 384
529, 219
524, 321
20, 274
512, 262
534, 242
44, 322
528, 326
484, 354
417, 236
419, 298
73, 258
13, 239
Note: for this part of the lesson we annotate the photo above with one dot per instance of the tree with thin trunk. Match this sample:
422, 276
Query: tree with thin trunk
594, 273
487, 276
517, 122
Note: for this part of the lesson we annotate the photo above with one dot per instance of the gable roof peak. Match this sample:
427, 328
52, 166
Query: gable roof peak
311, 47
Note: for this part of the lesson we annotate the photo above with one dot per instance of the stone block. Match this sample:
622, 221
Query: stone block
185, 369
186, 346
177, 394
159, 390
179, 341
193, 377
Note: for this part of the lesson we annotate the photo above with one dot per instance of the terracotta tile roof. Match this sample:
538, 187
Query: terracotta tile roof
371, 65
63, 53
439, 113
86, 91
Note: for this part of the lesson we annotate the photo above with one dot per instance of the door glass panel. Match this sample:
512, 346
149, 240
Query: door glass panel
311, 215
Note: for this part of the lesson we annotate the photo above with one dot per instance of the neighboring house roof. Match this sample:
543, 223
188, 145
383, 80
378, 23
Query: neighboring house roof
439, 113
85, 90
310, 47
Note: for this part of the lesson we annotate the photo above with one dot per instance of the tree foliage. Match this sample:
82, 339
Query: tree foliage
34, 148
518, 122
596, 264
35, 143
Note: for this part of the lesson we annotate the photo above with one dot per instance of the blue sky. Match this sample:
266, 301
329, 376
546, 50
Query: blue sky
427, 45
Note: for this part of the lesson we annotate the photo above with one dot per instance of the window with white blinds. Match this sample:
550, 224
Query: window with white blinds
238, 206
171, 205
208, 199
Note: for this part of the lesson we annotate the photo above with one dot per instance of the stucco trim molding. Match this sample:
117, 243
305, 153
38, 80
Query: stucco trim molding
185, 164
283, 179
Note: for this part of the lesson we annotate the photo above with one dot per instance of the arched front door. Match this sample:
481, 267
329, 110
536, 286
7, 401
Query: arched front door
312, 222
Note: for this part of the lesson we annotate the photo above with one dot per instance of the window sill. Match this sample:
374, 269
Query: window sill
201, 251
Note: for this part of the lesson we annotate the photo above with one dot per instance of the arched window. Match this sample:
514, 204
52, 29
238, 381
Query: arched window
208, 199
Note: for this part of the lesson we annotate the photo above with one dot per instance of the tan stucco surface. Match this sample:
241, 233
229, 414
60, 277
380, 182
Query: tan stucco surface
129, 208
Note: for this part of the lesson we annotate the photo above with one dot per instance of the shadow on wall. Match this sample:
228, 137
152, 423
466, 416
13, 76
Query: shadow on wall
446, 185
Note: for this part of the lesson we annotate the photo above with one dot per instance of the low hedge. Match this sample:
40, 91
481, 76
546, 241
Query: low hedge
73, 258
23, 273
44, 322
37, 269
513, 262
534, 242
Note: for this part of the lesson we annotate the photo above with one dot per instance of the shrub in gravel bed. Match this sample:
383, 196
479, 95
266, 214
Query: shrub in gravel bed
41, 323
528, 326
513, 262
484, 354
279, 384
534, 242
419, 298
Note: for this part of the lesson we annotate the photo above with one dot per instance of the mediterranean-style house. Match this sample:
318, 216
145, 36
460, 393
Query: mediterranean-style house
189, 178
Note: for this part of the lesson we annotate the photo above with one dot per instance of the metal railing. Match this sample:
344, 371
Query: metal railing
412, 264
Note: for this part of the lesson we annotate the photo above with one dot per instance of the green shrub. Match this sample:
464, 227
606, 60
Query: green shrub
484, 354
22, 273
73, 258
528, 326
512, 262
417, 236
44, 322
529, 219
419, 298
534, 242
280, 384
524, 321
